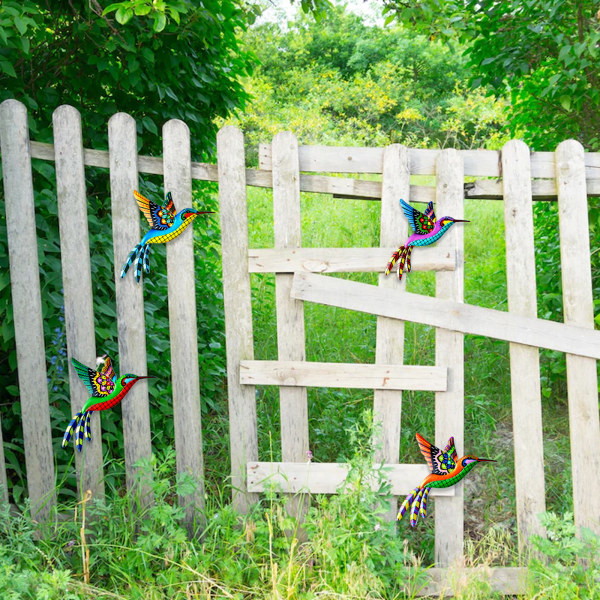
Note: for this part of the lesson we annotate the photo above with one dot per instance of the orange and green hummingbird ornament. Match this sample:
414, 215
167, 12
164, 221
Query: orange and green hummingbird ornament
446, 470
427, 230
107, 390
166, 224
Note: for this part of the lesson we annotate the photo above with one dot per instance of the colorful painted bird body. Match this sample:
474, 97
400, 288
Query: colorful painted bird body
446, 470
427, 230
106, 390
166, 224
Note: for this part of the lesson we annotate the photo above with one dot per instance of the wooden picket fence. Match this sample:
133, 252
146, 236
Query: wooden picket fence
514, 175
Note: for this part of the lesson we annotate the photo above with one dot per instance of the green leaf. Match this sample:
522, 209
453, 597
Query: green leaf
21, 25
112, 8
565, 102
142, 10
13, 390
7, 68
160, 22
123, 15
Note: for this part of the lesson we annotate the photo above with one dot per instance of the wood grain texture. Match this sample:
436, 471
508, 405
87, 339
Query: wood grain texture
389, 345
27, 307
122, 146
477, 163
449, 351
293, 401
326, 478
578, 306
182, 323
342, 260
243, 437
524, 360
77, 283
447, 314
290, 312
343, 375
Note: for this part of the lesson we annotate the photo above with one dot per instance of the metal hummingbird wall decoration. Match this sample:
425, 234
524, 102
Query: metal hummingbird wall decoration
427, 230
446, 470
166, 224
106, 390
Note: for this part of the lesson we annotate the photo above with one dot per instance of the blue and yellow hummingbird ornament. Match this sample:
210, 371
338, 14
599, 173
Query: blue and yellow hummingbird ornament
166, 224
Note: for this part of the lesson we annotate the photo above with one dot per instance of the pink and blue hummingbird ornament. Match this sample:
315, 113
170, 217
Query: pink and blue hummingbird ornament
166, 224
427, 230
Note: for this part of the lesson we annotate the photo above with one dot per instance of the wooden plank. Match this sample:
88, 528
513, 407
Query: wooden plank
3, 481
326, 478
389, 345
444, 583
528, 438
449, 350
243, 437
342, 260
122, 144
183, 324
477, 163
456, 316
27, 307
343, 375
578, 306
77, 283
290, 313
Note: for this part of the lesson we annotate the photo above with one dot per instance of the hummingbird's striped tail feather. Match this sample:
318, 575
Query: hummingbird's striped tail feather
407, 502
135, 253
423, 510
414, 512
404, 260
88, 428
70, 428
147, 259
81, 429
393, 260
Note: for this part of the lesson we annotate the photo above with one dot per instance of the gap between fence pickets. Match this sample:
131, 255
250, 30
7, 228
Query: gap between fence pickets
326, 478
339, 187
446, 314
343, 375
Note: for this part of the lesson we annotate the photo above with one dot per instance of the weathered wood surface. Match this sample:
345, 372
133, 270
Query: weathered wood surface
243, 437
444, 583
293, 401
524, 360
449, 350
342, 260
27, 307
485, 189
448, 314
345, 375
182, 322
477, 163
122, 144
389, 344
77, 283
326, 478
578, 306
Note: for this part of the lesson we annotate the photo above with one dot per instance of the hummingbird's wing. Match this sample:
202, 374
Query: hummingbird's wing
420, 222
429, 212
106, 368
98, 385
439, 462
158, 217
170, 205
450, 449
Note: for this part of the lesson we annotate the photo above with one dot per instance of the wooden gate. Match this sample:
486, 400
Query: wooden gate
569, 174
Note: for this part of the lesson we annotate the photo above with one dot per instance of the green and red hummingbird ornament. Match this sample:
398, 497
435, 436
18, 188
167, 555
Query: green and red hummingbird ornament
106, 390
446, 470
427, 230
166, 224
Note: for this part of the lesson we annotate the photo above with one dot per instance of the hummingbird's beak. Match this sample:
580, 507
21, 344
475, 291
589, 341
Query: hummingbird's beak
486, 460
461, 221
146, 377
